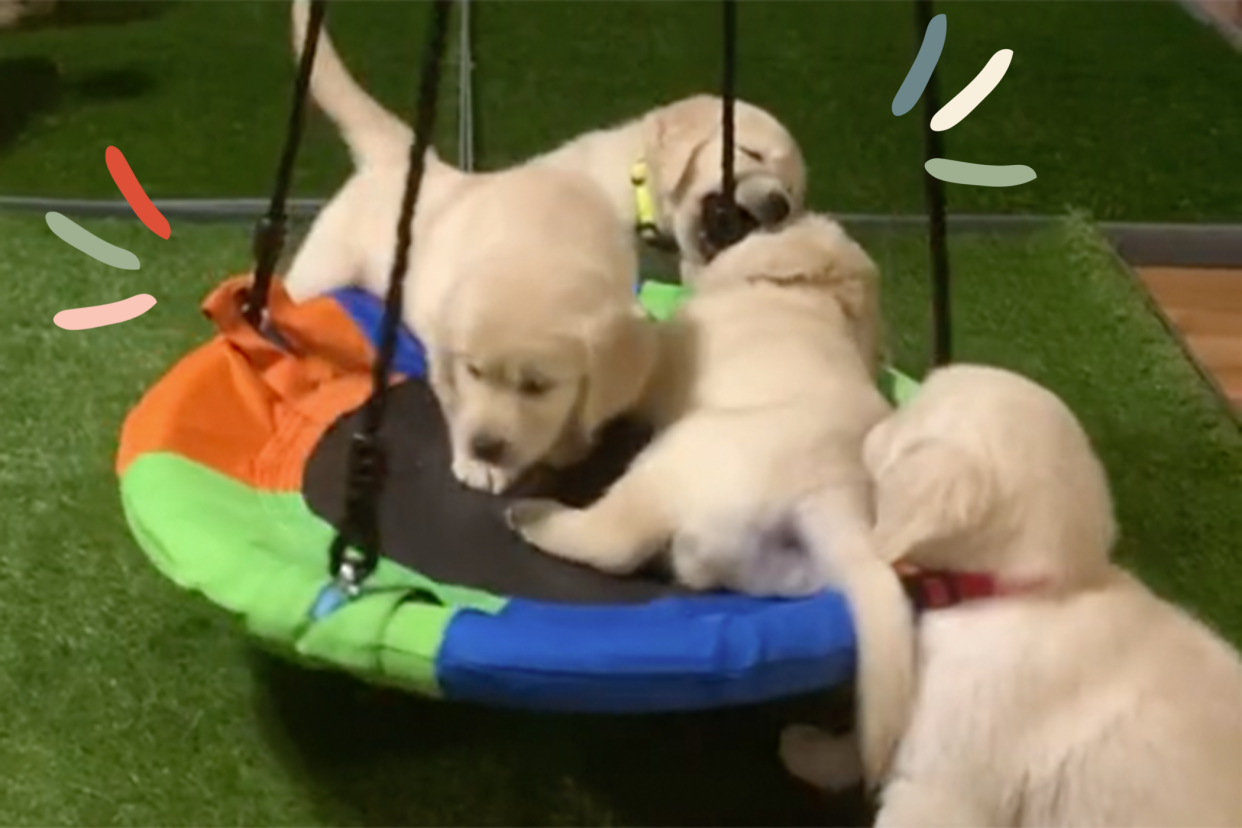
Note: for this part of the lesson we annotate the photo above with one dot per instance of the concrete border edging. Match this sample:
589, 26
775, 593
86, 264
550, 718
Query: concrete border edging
1142, 244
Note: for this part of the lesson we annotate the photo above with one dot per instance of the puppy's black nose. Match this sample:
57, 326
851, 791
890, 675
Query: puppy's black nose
774, 209
487, 448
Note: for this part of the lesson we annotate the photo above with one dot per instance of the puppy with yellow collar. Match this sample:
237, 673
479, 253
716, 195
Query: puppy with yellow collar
660, 172
674, 158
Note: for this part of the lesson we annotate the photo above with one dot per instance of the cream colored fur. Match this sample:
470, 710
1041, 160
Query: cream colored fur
520, 286
1086, 701
765, 391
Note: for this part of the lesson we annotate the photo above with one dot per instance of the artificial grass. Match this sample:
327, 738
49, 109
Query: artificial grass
1127, 109
127, 702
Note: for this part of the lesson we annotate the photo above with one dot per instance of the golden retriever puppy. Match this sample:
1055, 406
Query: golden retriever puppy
520, 287
765, 390
1073, 696
677, 152
658, 173
533, 345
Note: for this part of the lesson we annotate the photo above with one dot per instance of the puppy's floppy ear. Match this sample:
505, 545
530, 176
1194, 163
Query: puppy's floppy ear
929, 496
676, 132
442, 376
621, 355
855, 278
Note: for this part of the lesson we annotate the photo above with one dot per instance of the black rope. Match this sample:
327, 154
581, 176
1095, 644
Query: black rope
937, 242
723, 219
360, 524
269, 232
728, 96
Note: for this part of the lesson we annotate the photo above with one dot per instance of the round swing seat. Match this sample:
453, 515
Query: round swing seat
232, 471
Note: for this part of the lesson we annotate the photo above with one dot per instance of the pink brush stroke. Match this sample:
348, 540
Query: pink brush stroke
80, 319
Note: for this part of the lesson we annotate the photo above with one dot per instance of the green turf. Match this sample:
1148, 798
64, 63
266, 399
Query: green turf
1127, 109
126, 702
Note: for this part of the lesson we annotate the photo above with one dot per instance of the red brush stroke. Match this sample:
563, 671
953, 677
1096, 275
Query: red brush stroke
135, 196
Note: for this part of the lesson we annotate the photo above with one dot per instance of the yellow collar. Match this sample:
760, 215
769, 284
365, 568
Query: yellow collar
644, 206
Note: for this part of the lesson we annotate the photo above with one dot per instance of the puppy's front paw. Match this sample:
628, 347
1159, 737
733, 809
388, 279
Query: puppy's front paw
830, 763
535, 520
478, 475
528, 513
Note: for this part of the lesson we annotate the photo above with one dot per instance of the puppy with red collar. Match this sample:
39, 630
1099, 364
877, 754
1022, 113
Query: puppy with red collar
1062, 692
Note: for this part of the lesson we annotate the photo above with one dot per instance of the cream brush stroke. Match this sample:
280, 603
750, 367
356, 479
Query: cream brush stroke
965, 101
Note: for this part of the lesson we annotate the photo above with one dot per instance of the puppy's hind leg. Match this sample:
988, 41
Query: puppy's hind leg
327, 258
616, 534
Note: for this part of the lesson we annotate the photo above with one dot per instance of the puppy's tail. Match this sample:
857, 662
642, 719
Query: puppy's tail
884, 627
373, 134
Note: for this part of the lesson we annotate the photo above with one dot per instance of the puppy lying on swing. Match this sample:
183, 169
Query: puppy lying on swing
765, 388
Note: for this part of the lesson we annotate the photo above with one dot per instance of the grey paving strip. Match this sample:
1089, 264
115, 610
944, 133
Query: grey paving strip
190, 209
1142, 244
1177, 245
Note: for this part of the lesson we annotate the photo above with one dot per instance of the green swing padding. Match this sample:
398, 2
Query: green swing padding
235, 544
661, 300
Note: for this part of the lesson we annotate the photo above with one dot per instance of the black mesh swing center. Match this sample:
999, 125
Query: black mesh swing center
454, 535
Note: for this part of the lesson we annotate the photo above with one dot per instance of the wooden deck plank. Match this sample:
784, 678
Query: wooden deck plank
1207, 289
1205, 306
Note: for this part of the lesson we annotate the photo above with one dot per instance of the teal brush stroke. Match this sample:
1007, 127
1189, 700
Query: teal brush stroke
929, 55
979, 175
77, 236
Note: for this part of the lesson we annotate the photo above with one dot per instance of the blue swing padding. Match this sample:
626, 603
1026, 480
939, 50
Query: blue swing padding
672, 654
692, 653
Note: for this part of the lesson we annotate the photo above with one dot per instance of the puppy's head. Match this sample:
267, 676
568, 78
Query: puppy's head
814, 251
685, 154
986, 470
528, 384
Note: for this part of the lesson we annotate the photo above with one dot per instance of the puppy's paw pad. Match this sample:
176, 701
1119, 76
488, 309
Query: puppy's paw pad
523, 515
828, 762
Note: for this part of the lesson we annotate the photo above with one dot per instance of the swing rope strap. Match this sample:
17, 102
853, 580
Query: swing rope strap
721, 215
728, 97
933, 190
269, 233
354, 552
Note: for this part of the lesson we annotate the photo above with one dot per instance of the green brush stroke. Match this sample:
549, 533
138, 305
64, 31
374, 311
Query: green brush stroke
77, 236
979, 175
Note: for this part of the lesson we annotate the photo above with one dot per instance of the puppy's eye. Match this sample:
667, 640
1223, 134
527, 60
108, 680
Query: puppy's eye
532, 388
474, 371
751, 154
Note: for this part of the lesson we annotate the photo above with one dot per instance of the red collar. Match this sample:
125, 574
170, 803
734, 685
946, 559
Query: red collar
941, 588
